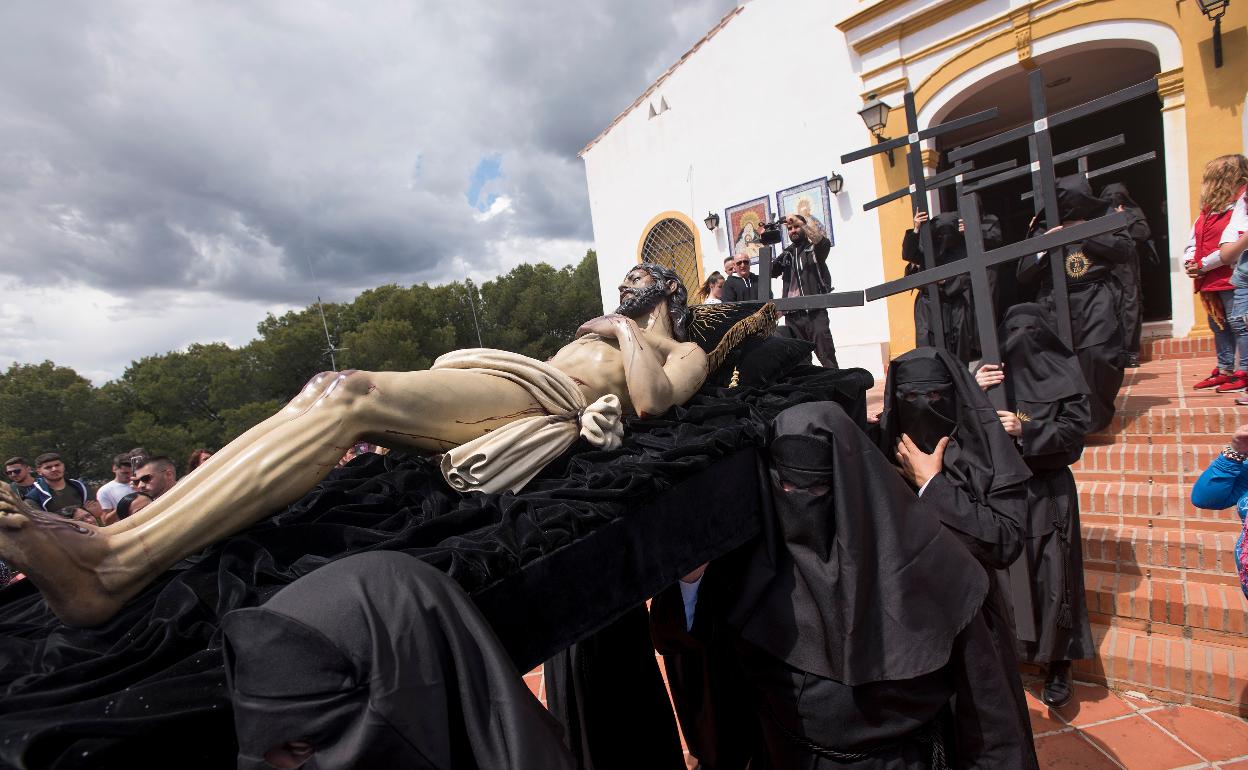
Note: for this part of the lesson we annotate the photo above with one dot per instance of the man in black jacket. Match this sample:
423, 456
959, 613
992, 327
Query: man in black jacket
742, 287
804, 265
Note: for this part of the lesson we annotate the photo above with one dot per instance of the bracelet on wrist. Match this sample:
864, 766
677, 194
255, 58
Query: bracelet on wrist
1230, 454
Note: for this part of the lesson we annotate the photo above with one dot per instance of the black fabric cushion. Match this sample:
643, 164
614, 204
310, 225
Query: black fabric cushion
763, 361
594, 534
760, 361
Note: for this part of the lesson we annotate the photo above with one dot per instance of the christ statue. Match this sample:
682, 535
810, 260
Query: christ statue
496, 416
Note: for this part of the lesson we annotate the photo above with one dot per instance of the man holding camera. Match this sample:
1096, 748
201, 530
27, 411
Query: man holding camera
804, 265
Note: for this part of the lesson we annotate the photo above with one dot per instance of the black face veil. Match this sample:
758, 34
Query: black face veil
929, 394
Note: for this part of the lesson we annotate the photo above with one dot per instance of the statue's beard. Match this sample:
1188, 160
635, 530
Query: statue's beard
638, 302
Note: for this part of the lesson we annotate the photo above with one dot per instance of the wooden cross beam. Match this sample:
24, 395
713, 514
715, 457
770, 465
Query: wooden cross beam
1064, 157
918, 184
977, 263
1044, 180
964, 172
1105, 170
807, 302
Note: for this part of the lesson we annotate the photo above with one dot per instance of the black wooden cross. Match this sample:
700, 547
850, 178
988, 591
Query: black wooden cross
1044, 181
918, 186
1104, 170
806, 302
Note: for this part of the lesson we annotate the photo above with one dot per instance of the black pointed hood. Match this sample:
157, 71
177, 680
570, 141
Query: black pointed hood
1076, 201
1039, 368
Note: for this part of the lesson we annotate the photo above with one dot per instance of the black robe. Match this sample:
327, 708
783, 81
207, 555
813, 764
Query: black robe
957, 300
979, 495
1094, 295
607, 692
1045, 388
1131, 307
860, 640
380, 660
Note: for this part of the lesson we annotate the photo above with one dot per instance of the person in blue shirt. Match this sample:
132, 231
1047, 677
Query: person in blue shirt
1225, 483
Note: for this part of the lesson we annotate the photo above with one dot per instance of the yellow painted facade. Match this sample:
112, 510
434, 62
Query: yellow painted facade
1213, 98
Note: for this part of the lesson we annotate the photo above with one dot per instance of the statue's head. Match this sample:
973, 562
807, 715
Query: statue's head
648, 284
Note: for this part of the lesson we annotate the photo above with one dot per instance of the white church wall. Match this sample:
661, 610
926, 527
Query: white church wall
743, 126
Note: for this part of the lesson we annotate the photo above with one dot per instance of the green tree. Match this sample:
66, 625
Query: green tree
50, 408
208, 394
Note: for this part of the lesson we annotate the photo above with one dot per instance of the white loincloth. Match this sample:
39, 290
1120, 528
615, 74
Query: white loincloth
507, 458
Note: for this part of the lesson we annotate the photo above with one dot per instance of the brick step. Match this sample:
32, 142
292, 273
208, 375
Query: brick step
1132, 504
1167, 348
1161, 553
1168, 667
1210, 417
1146, 463
1181, 608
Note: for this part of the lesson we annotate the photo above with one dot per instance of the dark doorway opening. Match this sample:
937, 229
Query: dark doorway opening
1075, 78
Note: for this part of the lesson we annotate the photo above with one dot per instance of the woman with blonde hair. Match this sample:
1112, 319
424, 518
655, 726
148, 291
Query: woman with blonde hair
711, 290
1223, 221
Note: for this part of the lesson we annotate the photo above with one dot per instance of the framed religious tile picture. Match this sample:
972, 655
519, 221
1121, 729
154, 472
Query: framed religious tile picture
812, 201
745, 222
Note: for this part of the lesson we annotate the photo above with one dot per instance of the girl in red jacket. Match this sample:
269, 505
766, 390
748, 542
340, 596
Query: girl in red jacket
1221, 221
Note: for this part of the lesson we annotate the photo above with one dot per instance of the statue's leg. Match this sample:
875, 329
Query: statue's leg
86, 573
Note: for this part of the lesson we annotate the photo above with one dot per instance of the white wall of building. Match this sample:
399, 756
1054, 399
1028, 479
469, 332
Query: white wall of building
769, 102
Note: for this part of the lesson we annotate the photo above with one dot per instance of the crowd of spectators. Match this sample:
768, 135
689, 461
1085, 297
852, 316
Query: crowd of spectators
139, 477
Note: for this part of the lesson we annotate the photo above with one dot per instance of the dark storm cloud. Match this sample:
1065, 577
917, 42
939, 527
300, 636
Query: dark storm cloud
222, 146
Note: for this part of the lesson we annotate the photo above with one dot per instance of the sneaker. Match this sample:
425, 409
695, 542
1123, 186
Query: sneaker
1133, 360
1238, 382
1213, 380
1241, 401
1057, 692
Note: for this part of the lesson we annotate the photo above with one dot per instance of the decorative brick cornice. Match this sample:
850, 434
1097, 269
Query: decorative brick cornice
1170, 89
1020, 22
1170, 83
901, 84
930, 157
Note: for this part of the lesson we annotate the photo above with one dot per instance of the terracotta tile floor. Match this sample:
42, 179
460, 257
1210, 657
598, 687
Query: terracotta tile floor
1101, 729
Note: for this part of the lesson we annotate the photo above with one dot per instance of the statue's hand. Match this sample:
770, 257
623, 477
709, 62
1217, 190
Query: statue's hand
604, 325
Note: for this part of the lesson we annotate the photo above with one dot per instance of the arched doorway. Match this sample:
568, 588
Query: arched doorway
671, 243
1073, 75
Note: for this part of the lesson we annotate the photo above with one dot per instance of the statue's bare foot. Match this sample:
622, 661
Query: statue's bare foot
62, 556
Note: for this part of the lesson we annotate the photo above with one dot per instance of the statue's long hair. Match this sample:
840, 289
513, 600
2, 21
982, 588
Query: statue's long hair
677, 301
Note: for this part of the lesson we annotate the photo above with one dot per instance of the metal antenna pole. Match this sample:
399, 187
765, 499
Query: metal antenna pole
468, 289
329, 343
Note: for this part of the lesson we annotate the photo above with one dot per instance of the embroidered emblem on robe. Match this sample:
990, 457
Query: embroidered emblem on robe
1077, 265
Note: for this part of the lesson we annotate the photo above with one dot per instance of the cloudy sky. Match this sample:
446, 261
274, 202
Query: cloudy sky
171, 171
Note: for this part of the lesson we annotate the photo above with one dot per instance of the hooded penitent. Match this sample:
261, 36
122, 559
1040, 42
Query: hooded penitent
380, 660
843, 584
1045, 387
956, 299
928, 394
1093, 292
980, 494
859, 616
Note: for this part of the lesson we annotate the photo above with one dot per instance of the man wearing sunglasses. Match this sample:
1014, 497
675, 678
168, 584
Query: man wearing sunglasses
20, 474
156, 476
743, 286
